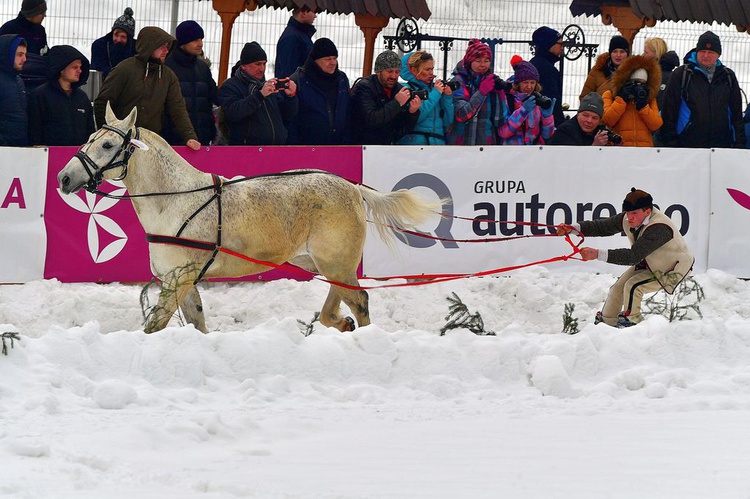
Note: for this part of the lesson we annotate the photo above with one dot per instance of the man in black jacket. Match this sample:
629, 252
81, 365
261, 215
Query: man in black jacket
584, 128
196, 83
60, 113
13, 118
383, 110
702, 101
548, 50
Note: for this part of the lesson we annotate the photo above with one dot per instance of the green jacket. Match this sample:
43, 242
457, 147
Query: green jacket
151, 87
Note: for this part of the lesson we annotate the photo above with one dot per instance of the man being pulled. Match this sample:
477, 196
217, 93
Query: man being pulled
658, 256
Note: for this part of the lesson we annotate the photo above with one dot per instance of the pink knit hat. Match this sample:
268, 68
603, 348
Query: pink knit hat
475, 50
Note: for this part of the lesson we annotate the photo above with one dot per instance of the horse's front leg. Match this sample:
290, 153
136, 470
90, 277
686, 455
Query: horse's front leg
174, 289
192, 309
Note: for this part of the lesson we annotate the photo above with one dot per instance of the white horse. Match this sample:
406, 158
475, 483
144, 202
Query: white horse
310, 218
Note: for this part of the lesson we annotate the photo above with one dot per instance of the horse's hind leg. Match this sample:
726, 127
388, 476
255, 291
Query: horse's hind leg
356, 300
192, 309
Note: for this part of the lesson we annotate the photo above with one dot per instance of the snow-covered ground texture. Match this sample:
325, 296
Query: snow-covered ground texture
90, 407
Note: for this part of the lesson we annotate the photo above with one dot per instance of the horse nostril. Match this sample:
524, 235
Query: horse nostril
65, 181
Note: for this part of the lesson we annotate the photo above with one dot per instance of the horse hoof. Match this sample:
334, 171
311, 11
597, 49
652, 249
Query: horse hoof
349, 324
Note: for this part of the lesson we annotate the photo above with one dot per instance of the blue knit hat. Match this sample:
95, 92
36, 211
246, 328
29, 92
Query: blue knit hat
545, 37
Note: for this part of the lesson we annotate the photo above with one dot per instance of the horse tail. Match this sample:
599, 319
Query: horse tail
401, 209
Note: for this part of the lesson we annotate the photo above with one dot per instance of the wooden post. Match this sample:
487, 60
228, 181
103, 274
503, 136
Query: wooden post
228, 11
625, 21
370, 26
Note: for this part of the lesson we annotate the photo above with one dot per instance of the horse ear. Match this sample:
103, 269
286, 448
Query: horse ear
109, 115
129, 122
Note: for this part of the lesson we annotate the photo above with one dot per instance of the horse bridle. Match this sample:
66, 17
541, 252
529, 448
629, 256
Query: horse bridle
95, 173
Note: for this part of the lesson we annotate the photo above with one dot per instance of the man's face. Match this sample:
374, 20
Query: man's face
119, 36
707, 57
588, 120
72, 72
20, 58
307, 16
160, 54
557, 48
617, 56
636, 217
327, 64
388, 77
193, 48
256, 69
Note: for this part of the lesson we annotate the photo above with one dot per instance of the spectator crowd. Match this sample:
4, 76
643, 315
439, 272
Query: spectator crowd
627, 99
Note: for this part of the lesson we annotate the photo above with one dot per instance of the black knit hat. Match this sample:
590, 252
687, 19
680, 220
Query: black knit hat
619, 42
188, 31
126, 23
545, 37
252, 52
31, 8
709, 41
636, 199
323, 47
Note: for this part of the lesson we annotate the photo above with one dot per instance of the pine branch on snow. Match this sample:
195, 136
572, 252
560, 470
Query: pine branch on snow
459, 317
9, 335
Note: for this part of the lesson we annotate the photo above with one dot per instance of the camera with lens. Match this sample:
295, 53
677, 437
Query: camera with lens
422, 94
453, 84
612, 136
501, 84
640, 92
542, 101
282, 84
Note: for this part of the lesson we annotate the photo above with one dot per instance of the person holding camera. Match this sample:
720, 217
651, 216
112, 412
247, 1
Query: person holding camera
436, 111
323, 95
531, 120
586, 127
382, 109
599, 78
480, 104
630, 107
256, 111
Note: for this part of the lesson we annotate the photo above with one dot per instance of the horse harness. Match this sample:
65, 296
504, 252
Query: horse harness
95, 173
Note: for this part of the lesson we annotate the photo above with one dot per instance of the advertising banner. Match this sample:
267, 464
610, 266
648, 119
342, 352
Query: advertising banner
518, 194
97, 239
22, 244
730, 211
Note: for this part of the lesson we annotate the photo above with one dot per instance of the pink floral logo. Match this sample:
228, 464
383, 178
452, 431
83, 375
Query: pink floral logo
740, 198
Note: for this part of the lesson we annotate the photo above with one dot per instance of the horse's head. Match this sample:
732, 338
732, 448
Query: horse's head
105, 156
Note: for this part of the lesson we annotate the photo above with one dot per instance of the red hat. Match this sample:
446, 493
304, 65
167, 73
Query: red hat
475, 50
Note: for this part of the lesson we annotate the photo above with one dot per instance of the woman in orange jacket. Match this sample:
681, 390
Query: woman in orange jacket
630, 106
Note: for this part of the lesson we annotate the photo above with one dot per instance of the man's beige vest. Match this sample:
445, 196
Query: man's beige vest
672, 262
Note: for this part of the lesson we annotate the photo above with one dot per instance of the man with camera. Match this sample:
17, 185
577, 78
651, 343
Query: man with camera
630, 107
382, 109
586, 128
256, 111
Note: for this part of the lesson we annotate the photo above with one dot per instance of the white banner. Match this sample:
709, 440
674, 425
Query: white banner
730, 211
23, 245
539, 185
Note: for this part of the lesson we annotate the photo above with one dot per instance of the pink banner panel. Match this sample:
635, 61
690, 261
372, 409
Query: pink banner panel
96, 239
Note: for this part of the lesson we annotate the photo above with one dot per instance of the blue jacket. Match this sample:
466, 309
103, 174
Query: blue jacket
251, 118
550, 80
56, 118
34, 72
435, 113
293, 47
105, 55
13, 120
323, 116
199, 91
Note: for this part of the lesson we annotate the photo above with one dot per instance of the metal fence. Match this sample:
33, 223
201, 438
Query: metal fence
80, 22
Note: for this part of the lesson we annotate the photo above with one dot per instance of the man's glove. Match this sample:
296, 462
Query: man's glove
487, 85
529, 104
551, 109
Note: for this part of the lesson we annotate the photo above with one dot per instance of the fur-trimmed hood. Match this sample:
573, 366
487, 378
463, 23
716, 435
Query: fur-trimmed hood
620, 77
601, 61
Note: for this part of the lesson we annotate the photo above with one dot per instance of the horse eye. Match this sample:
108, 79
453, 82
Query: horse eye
107, 145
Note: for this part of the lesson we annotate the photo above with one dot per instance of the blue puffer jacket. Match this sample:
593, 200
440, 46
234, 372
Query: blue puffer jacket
199, 91
56, 118
320, 121
435, 113
13, 120
293, 47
